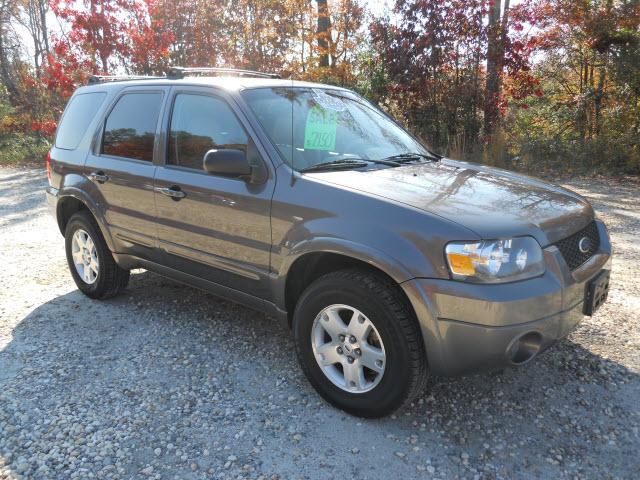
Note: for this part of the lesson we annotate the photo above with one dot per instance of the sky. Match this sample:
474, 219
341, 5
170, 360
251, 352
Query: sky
377, 7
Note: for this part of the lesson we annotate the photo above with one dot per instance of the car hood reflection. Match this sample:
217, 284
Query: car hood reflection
491, 202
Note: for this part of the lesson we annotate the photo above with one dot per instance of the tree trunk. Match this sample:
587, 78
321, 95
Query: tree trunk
324, 32
302, 37
589, 105
5, 70
5, 64
43, 6
36, 24
497, 36
598, 97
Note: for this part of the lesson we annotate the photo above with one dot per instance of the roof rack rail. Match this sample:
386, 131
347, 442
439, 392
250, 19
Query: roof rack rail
181, 72
95, 79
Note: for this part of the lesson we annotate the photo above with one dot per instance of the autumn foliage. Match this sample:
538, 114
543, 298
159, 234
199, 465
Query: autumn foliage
521, 84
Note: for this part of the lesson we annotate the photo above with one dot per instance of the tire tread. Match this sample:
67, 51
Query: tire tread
389, 292
115, 279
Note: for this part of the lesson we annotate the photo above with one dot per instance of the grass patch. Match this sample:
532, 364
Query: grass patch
21, 149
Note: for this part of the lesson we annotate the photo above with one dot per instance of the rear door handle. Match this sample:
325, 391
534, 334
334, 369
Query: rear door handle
99, 177
174, 192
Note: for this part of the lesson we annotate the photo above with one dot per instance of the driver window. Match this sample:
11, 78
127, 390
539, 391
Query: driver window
200, 123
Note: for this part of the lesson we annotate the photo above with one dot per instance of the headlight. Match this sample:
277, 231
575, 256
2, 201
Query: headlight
495, 261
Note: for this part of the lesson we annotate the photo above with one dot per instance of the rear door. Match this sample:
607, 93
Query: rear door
121, 168
219, 228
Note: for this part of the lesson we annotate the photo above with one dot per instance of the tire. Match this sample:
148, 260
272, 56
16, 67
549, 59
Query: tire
394, 335
110, 279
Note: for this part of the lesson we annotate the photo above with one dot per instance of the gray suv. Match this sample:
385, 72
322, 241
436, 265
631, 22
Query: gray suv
387, 261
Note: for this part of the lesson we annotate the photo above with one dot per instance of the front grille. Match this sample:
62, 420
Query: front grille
570, 249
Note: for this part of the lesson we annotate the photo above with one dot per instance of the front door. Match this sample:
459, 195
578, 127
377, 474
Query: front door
216, 228
121, 169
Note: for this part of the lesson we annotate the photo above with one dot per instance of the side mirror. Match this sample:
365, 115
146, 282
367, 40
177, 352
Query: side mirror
230, 162
227, 162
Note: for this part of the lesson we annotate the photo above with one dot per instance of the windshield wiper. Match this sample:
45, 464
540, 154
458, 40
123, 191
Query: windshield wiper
336, 165
349, 162
383, 161
408, 156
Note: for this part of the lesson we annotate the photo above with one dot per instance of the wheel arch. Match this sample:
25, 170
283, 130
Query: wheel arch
73, 201
309, 264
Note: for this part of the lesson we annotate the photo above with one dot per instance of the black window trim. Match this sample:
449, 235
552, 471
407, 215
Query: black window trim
206, 91
97, 147
66, 109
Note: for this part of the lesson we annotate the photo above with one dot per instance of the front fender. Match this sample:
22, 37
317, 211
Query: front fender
364, 253
376, 258
312, 216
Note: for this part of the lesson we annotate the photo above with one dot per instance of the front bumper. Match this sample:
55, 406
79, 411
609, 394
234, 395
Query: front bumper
469, 327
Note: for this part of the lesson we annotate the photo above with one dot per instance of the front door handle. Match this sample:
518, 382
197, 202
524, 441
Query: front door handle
174, 192
99, 177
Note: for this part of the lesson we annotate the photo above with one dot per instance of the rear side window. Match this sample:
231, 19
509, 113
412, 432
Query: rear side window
201, 123
77, 117
130, 128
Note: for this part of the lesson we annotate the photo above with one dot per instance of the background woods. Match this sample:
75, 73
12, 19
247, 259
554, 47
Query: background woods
549, 84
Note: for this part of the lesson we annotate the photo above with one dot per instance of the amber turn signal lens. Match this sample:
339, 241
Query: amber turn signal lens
461, 264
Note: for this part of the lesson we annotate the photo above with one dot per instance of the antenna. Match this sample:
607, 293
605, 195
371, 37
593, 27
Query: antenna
293, 168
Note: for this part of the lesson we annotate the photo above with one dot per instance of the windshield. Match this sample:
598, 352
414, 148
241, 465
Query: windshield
328, 125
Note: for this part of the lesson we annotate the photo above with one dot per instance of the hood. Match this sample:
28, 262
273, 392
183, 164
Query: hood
493, 203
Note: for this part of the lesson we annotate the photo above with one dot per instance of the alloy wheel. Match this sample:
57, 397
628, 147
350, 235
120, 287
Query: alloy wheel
348, 348
85, 256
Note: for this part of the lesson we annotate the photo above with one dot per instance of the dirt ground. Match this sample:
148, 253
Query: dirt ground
165, 381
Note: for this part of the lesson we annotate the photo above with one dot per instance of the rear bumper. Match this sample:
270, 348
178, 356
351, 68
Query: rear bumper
52, 201
469, 327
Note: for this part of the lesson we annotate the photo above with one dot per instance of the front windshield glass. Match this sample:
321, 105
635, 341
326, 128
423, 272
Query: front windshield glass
311, 126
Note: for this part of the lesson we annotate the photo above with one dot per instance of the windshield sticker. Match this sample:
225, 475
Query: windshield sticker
320, 129
328, 101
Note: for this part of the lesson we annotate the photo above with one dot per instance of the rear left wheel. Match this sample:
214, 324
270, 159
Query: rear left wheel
91, 264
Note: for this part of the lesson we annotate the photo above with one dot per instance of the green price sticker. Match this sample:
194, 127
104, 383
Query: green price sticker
320, 129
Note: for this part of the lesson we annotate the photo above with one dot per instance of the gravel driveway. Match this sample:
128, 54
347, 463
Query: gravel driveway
166, 381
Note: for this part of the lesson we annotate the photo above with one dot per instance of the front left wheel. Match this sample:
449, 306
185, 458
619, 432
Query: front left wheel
358, 342
90, 261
